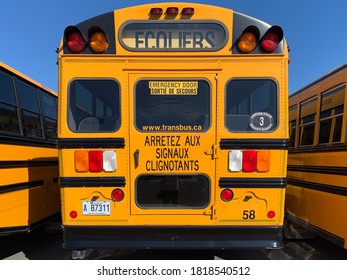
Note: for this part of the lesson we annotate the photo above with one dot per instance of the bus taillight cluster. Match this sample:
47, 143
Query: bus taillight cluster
268, 43
95, 161
249, 161
97, 40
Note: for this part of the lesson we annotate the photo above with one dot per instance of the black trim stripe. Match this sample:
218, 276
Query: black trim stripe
270, 144
75, 143
27, 163
21, 141
252, 182
20, 186
334, 170
91, 181
318, 187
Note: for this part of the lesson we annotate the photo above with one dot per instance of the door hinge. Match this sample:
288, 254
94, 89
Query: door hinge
212, 151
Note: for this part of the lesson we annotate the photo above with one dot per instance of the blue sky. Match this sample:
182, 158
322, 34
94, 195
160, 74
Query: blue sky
315, 32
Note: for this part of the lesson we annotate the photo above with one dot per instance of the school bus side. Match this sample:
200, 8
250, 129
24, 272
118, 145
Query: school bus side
29, 192
316, 195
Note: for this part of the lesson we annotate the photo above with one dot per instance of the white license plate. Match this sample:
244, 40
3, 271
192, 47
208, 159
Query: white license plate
99, 207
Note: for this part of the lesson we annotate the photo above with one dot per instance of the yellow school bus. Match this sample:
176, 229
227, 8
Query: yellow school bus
173, 129
317, 163
29, 190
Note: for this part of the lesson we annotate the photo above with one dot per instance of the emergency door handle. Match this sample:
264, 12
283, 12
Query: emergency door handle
136, 158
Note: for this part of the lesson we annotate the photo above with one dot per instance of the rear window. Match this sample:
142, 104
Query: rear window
172, 105
173, 191
94, 106
251, 105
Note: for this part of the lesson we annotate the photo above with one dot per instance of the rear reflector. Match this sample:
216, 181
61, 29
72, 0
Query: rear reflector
95, 161
117, 195
227, 195
249, 163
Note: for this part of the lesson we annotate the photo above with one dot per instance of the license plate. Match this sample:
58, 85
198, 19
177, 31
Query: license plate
100, 207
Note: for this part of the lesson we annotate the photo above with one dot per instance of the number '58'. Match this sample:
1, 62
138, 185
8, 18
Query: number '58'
248, 215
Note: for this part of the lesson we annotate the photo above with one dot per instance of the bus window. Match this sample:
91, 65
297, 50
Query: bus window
330, 126
307, 122
49, 112
9, 121
94, 106
185, 109
28, 101
172, 191
251, 105
292, 126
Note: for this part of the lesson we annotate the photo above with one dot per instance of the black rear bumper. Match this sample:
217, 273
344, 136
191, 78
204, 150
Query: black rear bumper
184, 237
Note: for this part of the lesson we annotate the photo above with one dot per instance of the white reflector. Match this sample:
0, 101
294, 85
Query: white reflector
235, 160
109, 161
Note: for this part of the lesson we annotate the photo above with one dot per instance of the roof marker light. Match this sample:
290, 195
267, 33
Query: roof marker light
172, 11
187, 11
156, 11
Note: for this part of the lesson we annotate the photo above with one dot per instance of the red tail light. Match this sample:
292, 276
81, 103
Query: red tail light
272, 39
75, 40
249, 163
95, 161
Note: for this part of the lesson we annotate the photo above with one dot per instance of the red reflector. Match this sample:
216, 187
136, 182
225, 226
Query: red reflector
227, 195
76, 42
172, 11
117, 195
188, 11
95, 161
249, 163
271, 214
156, 11
73, 214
